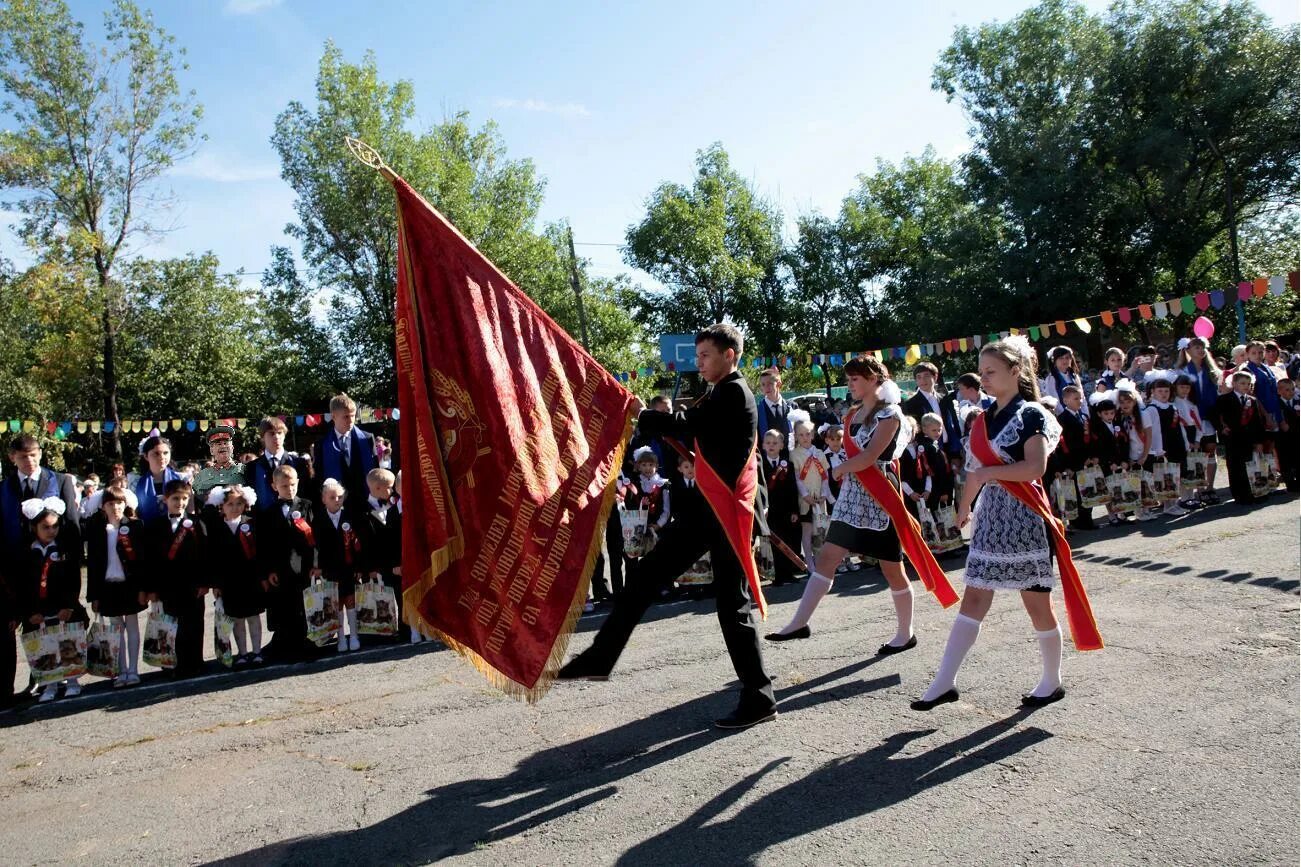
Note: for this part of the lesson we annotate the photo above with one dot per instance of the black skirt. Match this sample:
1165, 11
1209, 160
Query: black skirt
878, 544
243, 597
120, 599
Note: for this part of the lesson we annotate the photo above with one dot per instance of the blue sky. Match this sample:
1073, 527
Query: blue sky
609, 99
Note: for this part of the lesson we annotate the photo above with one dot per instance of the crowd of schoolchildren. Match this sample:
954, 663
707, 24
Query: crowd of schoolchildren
255, 532
252, 533
1141, 438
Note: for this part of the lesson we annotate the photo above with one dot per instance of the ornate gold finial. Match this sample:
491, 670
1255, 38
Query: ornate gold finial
367, 155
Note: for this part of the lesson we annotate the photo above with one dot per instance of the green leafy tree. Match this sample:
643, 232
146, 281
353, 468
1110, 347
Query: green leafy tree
347, 224
715, 247
93, 127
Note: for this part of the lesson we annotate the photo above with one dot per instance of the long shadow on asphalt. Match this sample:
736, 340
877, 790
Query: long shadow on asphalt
842, 789
463, 816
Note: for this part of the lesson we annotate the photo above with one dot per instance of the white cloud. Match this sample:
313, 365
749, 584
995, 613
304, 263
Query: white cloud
249, 7
564, 109
209, 166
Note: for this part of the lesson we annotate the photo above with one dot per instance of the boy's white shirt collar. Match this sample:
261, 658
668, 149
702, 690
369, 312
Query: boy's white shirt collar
335, 517
279, 456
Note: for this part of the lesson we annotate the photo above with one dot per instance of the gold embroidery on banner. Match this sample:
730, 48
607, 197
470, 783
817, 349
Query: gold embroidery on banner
462, 431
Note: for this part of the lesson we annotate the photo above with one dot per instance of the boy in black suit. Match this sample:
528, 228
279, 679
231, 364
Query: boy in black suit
1075, 447
722, 424
783, 501
1289, 435
1242, 425
287, 556
180, 573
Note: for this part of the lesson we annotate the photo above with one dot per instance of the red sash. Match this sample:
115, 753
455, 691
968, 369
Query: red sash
301, 524
1084, 629
125, 550
179, 540
45, 576
349, 545
734, 508
812, 463
247, 543
905, 525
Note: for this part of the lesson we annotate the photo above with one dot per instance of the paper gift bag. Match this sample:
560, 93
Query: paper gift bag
1194, 476
1093, 487
1063, 491
321, 608
637, 538
700, 573
223, 635
1168, 472
103, 645
930, 533
159, 645
1258, 473
55, 652
1124, 486
1147, 485
946, 527
377, 609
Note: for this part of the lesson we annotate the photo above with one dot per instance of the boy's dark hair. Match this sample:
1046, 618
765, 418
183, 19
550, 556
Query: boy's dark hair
1288, 380
928, 367
177, 486
271, 423
685, 459
1242, 374
659, 399
1072, 389
23, 443
112, 495
1269, 344
967, 380
723, 336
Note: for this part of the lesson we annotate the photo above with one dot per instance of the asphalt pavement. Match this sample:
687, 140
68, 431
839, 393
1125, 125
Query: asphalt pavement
1176, 744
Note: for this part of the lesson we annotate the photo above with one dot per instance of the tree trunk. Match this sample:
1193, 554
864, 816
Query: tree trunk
110, 362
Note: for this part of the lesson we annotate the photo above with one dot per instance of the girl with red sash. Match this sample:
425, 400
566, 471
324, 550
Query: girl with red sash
864, 523
236, 569
1014, 535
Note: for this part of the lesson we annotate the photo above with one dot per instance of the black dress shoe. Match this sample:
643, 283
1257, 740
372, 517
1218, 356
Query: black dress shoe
923, 704
802, 632
580, 668
743, 719
891, 650
1039, 701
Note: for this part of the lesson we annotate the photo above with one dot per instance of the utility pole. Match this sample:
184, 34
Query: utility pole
1231, 214
578, 289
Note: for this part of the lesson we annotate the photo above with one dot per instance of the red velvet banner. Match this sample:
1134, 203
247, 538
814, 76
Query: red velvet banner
511, 435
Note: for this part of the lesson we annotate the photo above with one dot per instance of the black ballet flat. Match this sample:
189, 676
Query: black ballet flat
802, 632
1040, 701
891, 650
924, 705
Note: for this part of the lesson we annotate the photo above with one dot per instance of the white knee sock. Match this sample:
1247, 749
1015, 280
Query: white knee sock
240, 632
352, 621
961, 639
806, 546
903, 610
1050, 651
131, 645
814, 590
254, 625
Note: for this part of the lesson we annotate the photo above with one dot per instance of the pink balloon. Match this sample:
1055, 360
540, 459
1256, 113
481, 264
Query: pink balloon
1203, 327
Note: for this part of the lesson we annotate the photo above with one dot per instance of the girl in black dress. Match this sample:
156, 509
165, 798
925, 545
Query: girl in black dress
49, 586
236, 569
115, 552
